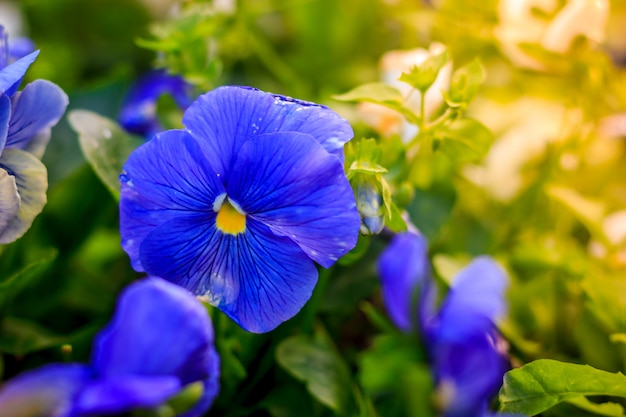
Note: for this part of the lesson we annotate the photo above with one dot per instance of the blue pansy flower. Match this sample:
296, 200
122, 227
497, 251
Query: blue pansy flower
26, 118
139, 109
237, 206
462, 340
159, 341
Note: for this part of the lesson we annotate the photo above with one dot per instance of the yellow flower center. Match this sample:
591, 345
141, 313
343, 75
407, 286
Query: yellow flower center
229, 220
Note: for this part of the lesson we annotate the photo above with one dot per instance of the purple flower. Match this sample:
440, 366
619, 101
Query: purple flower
139, 109
159, 341
26, 118
462, 340
238, 205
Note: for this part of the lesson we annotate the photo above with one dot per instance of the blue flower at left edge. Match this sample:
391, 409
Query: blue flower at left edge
461, 337
26, 118
159, 342
239, 205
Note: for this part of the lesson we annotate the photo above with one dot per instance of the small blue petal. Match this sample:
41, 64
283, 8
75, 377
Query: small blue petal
47, 391
36, 108
291, 184
469, 373
476, 300
20, 47
4, 48
5, 116
404, 270
11, 76
226, 117
164, 178
138, 113
118, 395
256, 278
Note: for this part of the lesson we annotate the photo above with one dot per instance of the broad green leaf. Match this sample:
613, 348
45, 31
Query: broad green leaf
539, 385
422, 76
466, 140
21, 279
465, 83
379, 93
604, 409
372, 92
105, 145
315, 362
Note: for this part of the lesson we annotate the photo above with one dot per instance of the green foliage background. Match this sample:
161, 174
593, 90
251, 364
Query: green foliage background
340, 355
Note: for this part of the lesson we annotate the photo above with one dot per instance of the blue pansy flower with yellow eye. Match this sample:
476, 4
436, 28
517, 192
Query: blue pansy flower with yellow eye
26, 118
461, 337
239, 204
159, 342
139, 109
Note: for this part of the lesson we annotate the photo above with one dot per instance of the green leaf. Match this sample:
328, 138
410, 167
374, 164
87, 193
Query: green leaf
373, 92
315, 362
19, 337
465, 84
422, 76
22, 279
604, 409
105, 145
541, 384
466, 140
379, 93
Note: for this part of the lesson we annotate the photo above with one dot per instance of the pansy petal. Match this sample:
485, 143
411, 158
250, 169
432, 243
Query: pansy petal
20, 47
38, 107
4, 47
118, 395
469, 373
256, 278
48, 391
144, 337
5, 117
11, 76
223, 119
211, 386
138, 113
476, 300
404, 270
291, 184
31, 179
9, 200
163, 178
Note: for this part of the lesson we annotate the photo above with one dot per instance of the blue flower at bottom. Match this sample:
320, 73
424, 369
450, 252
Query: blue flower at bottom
238, 205
159, 341
462, 340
